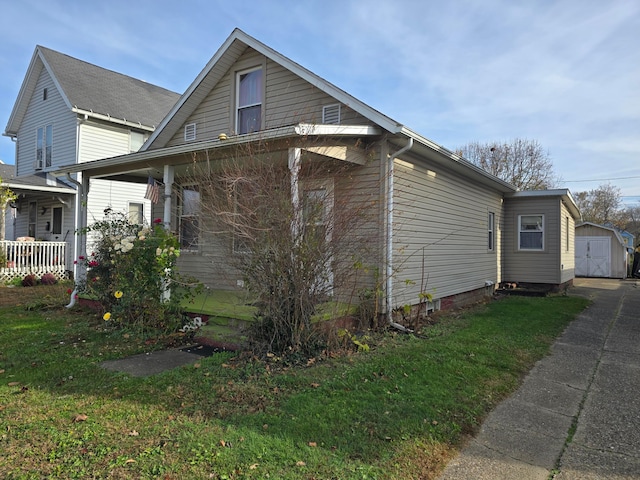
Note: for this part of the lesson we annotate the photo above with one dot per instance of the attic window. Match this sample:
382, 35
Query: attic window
189, 132
331, 114
44, 94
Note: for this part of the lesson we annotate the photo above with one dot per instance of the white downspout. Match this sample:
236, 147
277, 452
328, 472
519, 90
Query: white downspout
80, 240
389, 289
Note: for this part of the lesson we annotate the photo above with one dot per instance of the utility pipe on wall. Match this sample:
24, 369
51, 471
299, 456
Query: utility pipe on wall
389, 292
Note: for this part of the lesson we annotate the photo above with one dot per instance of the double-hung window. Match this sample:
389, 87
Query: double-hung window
44, 147
531, 232
189, 217
249, 91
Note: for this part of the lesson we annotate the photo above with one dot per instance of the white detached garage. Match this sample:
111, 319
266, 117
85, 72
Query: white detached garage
600, 252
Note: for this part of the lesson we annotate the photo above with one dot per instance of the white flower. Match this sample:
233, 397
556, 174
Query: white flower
158, 252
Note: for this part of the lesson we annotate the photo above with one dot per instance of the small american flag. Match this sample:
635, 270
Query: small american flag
153, 190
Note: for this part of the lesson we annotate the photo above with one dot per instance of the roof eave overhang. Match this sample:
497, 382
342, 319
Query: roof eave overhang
17, 187
145, 159
109, 118
563, 193
439, 154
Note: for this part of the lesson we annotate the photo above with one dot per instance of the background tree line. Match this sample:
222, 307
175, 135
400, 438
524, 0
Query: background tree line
528, 166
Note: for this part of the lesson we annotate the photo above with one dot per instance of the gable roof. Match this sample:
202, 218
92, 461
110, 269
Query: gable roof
231, 50
616, 233
94, 91
233, 47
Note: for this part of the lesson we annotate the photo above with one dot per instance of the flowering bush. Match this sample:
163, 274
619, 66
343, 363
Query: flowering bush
132, 273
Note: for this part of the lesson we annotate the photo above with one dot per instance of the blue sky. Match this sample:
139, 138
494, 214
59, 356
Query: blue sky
563, 72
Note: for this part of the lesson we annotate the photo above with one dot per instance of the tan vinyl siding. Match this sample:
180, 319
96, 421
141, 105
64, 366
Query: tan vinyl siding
533, 266
288, 100
359, 191
441, 222
40, 113
567, 255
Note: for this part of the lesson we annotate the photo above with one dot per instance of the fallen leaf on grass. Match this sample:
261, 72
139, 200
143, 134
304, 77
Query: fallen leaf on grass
300, 464
80, 418
196, 365
312, 444
2, 370
315, 385
133, 433
13, 384
254, 466
131, 460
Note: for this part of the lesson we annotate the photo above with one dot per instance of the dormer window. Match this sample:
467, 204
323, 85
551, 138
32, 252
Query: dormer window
249, 91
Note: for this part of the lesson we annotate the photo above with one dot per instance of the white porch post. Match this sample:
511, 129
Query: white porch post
168, 179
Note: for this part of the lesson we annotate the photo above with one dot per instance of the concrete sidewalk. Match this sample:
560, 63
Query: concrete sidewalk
577, 413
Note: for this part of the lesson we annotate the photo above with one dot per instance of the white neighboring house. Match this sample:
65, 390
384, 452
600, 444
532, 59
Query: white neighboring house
68, 112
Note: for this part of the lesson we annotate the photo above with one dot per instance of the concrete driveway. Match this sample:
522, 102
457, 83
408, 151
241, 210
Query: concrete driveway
577, 413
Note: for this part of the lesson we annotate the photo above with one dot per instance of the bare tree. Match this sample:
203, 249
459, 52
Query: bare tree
521, 162
292, 231
601, 205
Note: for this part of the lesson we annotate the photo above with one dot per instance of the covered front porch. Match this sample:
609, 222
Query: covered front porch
29, 257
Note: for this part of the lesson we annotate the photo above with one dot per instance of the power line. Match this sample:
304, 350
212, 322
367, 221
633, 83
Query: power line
600, 179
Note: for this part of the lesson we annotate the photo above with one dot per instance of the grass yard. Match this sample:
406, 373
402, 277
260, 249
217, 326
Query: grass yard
398, 411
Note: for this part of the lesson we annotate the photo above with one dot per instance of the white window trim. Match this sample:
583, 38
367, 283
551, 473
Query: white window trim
141, 212
491, 232
520, 248
237, 96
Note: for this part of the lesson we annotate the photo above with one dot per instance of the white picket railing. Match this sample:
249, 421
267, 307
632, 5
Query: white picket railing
31, 257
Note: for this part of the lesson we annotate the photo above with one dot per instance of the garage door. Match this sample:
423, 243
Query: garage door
593, 256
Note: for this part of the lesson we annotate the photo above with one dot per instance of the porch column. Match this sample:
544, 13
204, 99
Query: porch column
294, 168
168, 179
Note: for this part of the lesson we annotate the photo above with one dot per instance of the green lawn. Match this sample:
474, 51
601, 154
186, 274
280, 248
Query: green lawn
395, 412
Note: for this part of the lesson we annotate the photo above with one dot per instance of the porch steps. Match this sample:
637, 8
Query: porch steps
225, 333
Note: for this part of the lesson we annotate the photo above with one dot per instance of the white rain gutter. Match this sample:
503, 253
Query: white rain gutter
389, 292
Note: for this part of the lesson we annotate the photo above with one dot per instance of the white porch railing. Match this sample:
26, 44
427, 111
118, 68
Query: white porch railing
31, 257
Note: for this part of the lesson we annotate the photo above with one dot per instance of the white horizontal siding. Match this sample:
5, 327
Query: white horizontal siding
40, 113
101, 141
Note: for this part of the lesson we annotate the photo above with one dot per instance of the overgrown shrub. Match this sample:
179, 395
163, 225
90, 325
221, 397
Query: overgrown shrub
29, 281
48, 279
132, 273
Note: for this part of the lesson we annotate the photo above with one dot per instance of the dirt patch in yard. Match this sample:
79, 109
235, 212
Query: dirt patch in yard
14, 296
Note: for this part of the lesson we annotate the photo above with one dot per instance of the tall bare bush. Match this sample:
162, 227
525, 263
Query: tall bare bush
295, 233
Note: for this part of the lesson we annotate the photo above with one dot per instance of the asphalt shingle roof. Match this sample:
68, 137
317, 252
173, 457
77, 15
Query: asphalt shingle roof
106, 92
